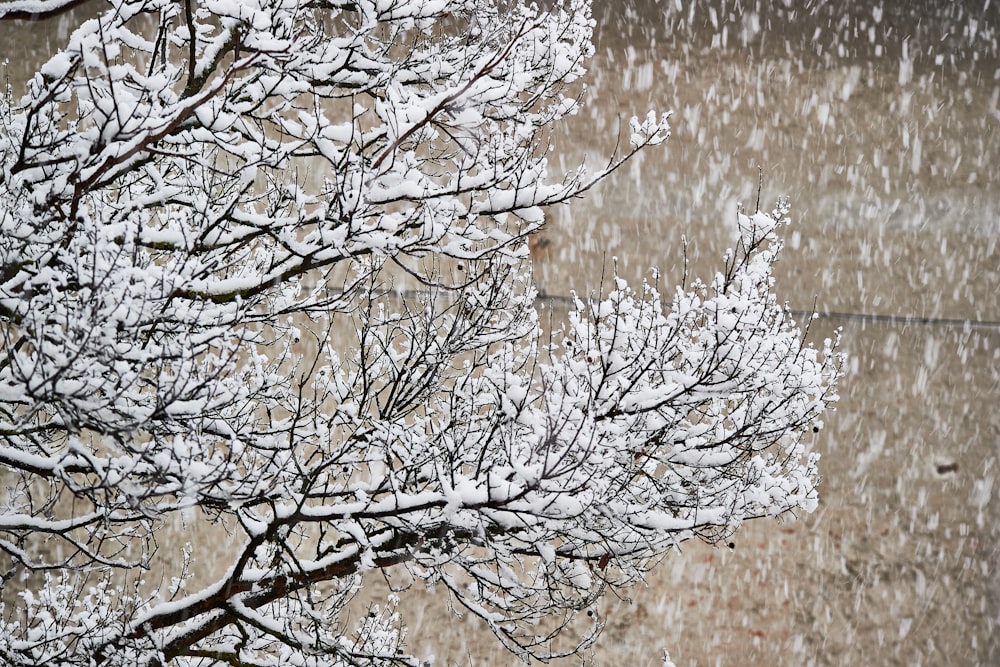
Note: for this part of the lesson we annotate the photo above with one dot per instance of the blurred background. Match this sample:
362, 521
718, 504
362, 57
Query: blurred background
881, 122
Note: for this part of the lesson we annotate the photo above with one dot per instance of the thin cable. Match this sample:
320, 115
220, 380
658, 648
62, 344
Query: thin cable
878, 318
875, 318
906, 320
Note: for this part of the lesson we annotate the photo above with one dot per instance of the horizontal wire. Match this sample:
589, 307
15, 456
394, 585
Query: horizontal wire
879, 318
906, 320
851, 316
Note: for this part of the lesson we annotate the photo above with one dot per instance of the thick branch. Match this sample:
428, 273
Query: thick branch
34, 10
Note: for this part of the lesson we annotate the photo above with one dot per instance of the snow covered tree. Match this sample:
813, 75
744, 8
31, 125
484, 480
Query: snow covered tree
263, 265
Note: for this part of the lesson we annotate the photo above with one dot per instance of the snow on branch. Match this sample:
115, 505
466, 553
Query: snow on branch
36, 9
263, 267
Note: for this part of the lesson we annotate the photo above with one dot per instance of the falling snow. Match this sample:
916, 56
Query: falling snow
881, 123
